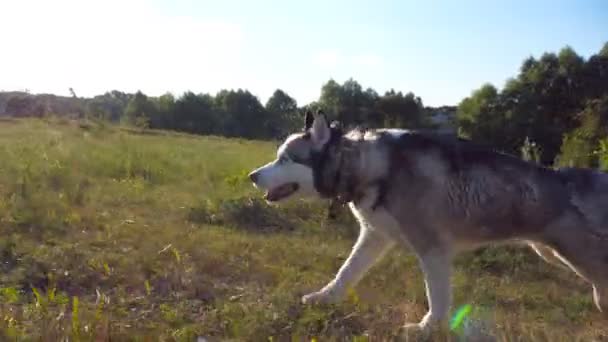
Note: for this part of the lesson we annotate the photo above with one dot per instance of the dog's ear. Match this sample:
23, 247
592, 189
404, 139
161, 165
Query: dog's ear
320, 132
308, 120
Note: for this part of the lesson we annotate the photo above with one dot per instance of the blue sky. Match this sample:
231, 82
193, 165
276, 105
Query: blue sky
440, 50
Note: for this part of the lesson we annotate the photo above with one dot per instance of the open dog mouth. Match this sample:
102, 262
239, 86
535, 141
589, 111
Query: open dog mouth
281, 192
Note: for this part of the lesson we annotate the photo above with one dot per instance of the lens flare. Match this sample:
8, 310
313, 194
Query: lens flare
459, 316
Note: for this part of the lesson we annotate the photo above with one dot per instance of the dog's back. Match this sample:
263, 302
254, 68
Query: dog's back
589, 193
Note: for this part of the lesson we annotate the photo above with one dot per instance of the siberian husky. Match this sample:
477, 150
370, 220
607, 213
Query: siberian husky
439, 195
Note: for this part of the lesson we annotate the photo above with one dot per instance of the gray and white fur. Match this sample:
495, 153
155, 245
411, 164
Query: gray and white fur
440, 195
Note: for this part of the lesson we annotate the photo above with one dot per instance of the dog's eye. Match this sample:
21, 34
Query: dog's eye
283, 159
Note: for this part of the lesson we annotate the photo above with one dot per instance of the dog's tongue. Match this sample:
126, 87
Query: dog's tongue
280, 192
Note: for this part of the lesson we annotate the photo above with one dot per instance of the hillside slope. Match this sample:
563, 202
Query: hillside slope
110, 232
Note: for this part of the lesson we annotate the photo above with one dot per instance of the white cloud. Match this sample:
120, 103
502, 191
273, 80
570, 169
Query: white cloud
94, 46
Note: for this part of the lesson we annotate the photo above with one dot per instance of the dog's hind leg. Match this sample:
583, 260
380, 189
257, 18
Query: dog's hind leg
585, 252
547, 254
600, 297
370, 247
591, 271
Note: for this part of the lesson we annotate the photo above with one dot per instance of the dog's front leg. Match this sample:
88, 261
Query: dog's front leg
370, 247
436, 266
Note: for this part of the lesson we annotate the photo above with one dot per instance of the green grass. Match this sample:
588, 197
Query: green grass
116, 233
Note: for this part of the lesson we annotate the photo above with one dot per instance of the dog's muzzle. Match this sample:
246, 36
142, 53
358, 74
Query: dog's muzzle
254, 176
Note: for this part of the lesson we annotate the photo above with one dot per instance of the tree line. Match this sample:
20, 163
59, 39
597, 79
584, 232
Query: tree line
238, 113
234, 113
554, 109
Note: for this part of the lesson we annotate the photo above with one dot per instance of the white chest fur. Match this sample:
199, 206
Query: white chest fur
377, 219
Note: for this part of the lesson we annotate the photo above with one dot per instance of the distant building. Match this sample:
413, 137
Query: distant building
443, 118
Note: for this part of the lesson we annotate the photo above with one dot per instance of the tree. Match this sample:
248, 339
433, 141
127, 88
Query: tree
243, 114
195, 114
349, 103
24, 105
283, 111
140, 110
580, 147
541, 103
166, 112
595, 74
476, 116
331, 98
353, 104
109, 106
396, 110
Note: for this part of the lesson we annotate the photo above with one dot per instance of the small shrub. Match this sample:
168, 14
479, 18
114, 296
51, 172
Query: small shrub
603, 154
530, 151
245, 213
204, 213
580, 146
254, 214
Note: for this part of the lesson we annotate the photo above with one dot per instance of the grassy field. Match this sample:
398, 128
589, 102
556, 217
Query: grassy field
108, 233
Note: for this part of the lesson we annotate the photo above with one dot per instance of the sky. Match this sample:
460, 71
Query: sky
440, 50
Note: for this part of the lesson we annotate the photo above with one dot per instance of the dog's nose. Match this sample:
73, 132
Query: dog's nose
254, 177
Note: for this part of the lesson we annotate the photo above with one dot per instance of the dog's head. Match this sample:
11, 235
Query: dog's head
291, 173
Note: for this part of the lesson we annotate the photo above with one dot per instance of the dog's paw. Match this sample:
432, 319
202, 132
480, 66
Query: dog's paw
600, 297
414, 327
414, 332
417, 331
320, 297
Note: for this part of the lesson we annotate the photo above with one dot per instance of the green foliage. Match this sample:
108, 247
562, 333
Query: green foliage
541, 103
141, 110
109, 106
9, 294
477, 120
397, 110
352, 105
582, 147
21, 104
195, 114
243, 114
284, 109
603, 154
75, 319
